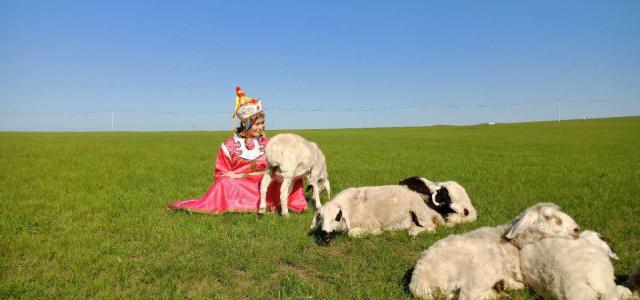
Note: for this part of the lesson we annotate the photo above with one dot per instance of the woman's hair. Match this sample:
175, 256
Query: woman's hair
252, 119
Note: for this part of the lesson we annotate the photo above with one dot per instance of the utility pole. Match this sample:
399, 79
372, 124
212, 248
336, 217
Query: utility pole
112, 113
558, 105
426, 120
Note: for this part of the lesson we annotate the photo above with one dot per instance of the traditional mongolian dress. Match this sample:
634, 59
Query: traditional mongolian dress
228, 194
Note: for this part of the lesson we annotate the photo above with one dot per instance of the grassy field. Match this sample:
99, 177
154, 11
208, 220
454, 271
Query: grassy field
83, 214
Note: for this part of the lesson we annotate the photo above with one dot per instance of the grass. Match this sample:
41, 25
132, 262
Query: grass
83, 214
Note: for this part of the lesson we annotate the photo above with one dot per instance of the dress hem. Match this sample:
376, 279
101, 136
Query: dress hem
208, 212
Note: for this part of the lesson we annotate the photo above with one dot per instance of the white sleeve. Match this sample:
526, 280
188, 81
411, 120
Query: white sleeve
225, 150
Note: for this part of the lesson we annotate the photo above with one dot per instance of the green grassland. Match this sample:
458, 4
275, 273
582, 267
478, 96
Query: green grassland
83, 214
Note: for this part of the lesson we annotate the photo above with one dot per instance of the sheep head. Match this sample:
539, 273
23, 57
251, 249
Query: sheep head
456, 198
448, 198
541, 221
330, 219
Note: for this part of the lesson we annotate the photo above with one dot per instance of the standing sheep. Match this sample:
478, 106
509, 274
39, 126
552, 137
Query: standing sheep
474, 264
374, 209
448, 198
290, 157
572, 269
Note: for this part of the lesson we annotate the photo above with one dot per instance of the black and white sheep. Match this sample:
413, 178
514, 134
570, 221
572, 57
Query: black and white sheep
448, 198
375, 209
571, 269
476, 264
290, 157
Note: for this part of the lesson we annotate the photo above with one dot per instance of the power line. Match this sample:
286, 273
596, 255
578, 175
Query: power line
53, 114
314, 109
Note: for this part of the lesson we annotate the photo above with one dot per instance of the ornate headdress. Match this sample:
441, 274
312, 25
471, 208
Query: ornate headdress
246, 106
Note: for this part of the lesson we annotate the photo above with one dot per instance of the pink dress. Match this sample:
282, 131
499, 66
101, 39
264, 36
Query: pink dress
228, 194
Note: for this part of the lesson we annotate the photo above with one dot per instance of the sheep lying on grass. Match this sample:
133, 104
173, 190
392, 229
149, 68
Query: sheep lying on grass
448, 198
476, 264
290, 157
571, 269
374, 209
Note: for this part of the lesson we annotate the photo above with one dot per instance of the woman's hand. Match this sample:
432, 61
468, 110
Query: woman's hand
233, 175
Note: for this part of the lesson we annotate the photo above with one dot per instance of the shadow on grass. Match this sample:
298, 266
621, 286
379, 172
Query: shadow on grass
187, 211
622, 279
179, 210
406, 279
317, 238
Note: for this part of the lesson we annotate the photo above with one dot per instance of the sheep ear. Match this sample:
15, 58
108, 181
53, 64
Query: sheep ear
610, 252
416, 184
522, 223
441, 197
547, 212
408, 181
434, 194
344, 212
433, 199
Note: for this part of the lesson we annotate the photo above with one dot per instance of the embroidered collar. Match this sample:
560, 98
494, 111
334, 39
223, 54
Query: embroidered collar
248, 152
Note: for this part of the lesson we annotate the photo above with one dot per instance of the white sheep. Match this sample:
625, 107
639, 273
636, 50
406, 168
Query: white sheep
571, 269
290, 157
375, 209
480, 263
448, 198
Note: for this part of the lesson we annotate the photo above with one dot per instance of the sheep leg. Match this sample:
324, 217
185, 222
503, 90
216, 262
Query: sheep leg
358, 231
314, 223
476, 293
264, 186
583, 290
452, 220
355, 232
415, 230
623, 292
285, 190
488, 294
512, 284
316, 195
421, 221
327, 187
376, 231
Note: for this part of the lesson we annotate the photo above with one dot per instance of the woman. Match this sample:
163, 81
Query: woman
240, 167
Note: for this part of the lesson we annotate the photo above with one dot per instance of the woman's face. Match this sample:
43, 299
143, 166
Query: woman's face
256, 128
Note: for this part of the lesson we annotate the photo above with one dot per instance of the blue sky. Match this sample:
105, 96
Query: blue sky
173, 65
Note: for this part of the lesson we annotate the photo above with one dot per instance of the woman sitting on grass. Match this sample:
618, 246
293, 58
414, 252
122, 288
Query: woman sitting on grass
240, 167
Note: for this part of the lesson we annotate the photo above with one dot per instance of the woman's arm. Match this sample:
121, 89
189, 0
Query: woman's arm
223, 163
